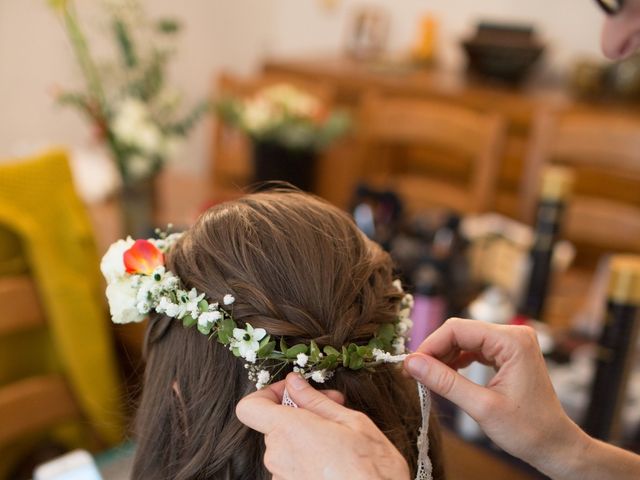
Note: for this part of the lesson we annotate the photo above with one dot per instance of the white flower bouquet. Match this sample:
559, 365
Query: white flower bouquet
132, 110
285, 115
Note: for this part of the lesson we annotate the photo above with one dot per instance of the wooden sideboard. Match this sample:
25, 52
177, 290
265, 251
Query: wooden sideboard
518, 105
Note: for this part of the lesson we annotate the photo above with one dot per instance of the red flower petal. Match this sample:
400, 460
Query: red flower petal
143, 257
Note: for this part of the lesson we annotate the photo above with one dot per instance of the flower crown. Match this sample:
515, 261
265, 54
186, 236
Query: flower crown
138, 284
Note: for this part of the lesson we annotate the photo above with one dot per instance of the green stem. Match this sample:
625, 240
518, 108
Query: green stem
83, 56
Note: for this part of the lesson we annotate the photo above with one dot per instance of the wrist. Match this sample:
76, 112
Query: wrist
565, 457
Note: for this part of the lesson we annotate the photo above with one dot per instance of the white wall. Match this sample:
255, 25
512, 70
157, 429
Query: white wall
35, 57
236, 34
571, 27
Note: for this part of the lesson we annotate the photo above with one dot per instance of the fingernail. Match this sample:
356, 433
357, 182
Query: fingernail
297, 382
417, 366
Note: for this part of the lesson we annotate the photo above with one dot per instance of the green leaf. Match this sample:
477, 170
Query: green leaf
188, 321
386, 332
203, 305
225, 330
376, 343
265, 340
294, 351
235, 351
168, 25
356, 362
314, 352
345, 356
329, 350
205, 329
364, 351
283, 346
266, 349
127, 50
328, 362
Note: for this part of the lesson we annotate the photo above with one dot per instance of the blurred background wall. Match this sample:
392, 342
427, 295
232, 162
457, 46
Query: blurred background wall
236, 35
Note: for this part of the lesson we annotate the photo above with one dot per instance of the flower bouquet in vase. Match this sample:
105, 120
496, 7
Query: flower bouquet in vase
288, 128
133, 112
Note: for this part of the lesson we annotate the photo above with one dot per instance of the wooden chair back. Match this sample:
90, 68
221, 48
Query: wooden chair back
402, 123
604, 151
231, 166
33, 404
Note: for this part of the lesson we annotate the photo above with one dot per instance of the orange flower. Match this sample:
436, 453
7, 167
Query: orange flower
143, 258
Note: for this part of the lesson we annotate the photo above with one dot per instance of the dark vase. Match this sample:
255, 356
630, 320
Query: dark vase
274, 162
139, 208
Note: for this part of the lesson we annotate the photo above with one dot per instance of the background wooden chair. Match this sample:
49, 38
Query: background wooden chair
231, 151
604, 151
431, 153
30, 406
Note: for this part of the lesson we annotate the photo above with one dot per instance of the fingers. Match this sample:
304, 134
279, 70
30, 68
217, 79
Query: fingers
262, 410
328, 406
495, 343
436, 376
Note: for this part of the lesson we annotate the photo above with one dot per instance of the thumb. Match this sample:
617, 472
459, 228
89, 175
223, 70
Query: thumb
446, 382
307, 397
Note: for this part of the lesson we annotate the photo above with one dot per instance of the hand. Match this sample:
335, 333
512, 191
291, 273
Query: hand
322, 439
518, 409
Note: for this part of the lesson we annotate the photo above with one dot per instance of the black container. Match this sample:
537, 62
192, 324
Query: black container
616, 347
502, 51
274, 162
556, 184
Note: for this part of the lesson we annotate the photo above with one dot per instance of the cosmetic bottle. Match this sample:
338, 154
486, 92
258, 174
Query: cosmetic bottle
429, 308
556, 186
615, 350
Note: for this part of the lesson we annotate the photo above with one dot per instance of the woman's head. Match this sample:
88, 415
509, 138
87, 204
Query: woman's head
297, 267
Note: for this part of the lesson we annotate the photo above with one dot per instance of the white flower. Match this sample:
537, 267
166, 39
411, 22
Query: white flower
399, 345
302, 359
403, 326
248, 340
139, 167
407, 301
134, 126
207, 318
319, 376
191, 301
167, 307
398, 284
121, 296
258, 115
149, 138
381, 355
251, 356
228, 299
263, 379
112, 264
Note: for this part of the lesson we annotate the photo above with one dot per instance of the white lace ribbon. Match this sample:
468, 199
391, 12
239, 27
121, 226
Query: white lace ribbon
425, 469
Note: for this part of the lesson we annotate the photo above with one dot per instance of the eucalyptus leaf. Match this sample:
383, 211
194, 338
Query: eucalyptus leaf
266, 349
329, 350
294, 351
188, 321
356, 362
283, 346
314, 352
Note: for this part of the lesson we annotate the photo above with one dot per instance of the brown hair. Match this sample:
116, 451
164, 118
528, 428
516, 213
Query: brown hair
299, 268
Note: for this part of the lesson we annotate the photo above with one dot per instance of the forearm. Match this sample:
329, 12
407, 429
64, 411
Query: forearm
586, 458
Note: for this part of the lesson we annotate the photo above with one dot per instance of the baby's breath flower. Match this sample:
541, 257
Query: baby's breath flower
250, 356
263, 378
319, 376
302, 359
228, 299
